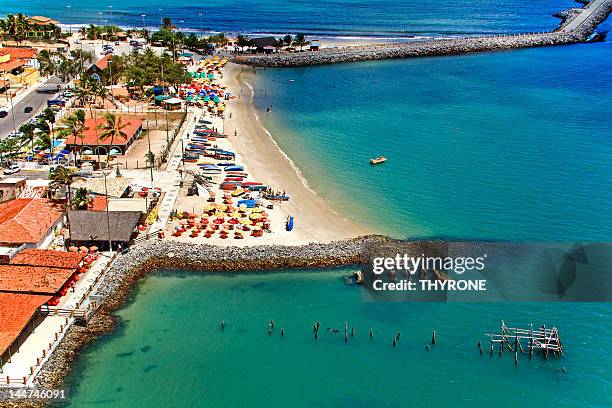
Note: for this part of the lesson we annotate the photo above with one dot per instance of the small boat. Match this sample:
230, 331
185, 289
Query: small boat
378, 160
226, 164
256, 188
234, 168
251, 183
276, 197
238, 192
289, 224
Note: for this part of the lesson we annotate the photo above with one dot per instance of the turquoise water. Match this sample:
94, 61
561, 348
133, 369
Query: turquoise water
170, 351
327, 18
505, 145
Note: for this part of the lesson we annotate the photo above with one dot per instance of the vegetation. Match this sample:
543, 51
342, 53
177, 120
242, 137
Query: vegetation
62, 65
111, 128
81, 199
17, 28
74, 126
94, 32
62, 176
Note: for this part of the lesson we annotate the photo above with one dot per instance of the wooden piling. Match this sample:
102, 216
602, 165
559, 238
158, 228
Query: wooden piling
282, 332
371, 333
433, 337
222, 324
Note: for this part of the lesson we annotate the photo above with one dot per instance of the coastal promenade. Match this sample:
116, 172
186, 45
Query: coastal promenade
577, 26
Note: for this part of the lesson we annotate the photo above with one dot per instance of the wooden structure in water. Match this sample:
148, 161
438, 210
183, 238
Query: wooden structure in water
540, 340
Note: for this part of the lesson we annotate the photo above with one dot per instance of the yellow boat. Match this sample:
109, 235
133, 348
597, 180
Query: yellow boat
378, 160
238, 192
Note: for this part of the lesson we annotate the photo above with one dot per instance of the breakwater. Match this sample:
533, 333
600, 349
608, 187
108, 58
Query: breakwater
576, 26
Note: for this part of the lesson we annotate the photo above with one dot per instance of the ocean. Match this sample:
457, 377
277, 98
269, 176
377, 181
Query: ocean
389, 20
171, 352
504, 145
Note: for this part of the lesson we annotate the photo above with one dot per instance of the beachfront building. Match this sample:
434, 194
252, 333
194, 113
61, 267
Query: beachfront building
30, 222
265, 44
99, 66
30, 279
89, 142
101, 227
18, 66
11, 188
42, 27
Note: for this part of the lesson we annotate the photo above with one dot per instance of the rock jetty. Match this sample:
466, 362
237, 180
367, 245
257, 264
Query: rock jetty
577, 26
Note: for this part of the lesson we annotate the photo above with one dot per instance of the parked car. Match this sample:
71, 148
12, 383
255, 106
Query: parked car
28, 109
12, 169
3, 113
67, 94
14, 135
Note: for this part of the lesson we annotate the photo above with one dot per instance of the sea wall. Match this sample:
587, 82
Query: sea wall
597, 13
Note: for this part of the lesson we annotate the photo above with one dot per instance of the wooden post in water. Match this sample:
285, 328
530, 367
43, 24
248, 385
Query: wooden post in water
222, 324
371, 333
433, 337
282, 332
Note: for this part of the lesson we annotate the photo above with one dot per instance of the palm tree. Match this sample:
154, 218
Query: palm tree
9, 149
62, 176
28, 134
300, 41
21, 28
49, 116
288, 40
81, 199
74, 126
112, 128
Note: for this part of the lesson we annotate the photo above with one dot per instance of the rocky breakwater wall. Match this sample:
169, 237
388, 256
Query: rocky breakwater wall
414, 49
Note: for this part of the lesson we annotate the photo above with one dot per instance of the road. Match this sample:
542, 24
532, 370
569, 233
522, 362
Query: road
37, 99
584, 15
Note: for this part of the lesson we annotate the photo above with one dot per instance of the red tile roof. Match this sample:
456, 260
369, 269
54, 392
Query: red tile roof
15, 312
45, 257
27, 220
33, 279
19, 52
42, 20
12, 64
99, 203
92, 132
102, 63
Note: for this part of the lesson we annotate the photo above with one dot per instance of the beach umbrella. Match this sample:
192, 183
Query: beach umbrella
233, 221
83, 249
73, 249
93, 248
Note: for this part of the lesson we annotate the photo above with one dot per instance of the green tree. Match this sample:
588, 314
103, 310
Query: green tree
81, 199
62, 176
74, 125
300, 41
111, 128
28, 134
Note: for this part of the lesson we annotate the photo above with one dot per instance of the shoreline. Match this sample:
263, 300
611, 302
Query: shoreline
316, 220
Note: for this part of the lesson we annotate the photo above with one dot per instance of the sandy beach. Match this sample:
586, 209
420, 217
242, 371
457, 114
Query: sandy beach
315, 220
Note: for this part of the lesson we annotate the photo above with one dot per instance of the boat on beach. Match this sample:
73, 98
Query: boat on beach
378, 160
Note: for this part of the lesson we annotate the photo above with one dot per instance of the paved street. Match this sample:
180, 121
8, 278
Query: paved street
37, 99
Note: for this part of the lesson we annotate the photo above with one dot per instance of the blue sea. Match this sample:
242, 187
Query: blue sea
504, 145
171, 352
327, 18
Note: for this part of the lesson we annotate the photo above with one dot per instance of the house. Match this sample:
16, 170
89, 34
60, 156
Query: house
11, 188
42, 27
99, 227
30, 280
90, 144
32, 222
315, 45
19, 65
99, 66
262, 44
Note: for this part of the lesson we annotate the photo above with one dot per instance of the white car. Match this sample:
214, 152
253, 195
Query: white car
14, 135
12, 169
67, 94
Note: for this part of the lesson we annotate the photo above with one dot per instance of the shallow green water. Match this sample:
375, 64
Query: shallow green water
170, 351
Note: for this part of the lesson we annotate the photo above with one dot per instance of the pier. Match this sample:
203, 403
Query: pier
577, 26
